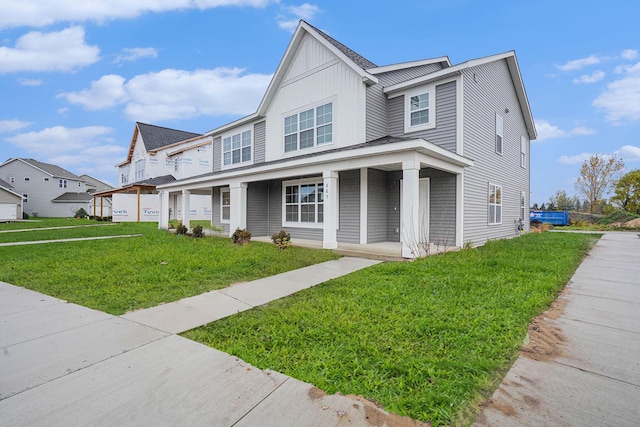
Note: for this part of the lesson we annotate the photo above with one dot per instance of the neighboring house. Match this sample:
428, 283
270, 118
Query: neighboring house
158, 155
93, 184
46, 190
10, 203
97, 206
341, 150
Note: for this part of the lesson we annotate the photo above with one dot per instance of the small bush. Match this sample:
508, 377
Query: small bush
25, 215
181, 229
282, 239
81, 213
197, 231
240, 237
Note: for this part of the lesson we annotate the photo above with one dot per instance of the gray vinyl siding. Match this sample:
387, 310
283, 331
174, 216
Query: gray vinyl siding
377, 206
488, 89
257, 205
259, 142
274, 210
376, 110
442, 206
393, 206
444, 134
217, 154
215, 211
349, 203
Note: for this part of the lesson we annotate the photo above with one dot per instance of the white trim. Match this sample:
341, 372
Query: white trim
300, 224
410, 64
424, 202
429, 90
494, 204
499, 124
460, 209
460, 115
225, 190
237, 131
523, 152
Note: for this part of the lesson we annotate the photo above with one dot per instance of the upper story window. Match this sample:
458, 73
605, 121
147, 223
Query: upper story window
236, 148
523, 205
309, 128
46, 179
303, 203
495, 204
12, 179
140, 170
62, 183
124, 175
25, 198
499, 133
419, 107
523, 152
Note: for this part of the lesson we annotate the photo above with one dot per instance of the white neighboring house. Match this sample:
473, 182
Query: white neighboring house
47, 190
97, 206
10, 203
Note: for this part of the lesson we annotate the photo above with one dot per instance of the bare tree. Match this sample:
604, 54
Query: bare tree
597, 174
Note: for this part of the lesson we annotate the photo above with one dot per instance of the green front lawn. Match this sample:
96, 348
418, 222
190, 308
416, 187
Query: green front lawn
118, 275
427, 339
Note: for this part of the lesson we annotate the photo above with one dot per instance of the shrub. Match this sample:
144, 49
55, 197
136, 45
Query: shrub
181, 229
617, 216
81, 213
282, 239
240, 237
197, 231
25, 215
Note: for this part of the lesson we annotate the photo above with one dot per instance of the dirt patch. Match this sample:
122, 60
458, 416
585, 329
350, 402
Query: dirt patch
498, 405
315, 393
545, 340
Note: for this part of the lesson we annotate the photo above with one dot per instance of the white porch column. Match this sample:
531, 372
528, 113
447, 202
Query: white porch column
238, 208
459, 210
364, 205
330, 211
163, 220
186, 208
410, 216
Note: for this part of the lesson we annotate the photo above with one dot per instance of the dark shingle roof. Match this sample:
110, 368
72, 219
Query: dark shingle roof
54, 170
73, 197
360, 60
157, 136
158, 180
5, 184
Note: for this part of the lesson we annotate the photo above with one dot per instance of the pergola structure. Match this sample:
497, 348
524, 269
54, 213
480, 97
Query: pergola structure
134, 188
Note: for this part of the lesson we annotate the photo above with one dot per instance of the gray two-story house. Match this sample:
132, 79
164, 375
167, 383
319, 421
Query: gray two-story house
341, 150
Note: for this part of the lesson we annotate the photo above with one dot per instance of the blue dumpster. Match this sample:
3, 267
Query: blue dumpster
551, 217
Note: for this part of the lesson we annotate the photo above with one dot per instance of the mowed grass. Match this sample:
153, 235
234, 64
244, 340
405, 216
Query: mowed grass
427, 339
119, 275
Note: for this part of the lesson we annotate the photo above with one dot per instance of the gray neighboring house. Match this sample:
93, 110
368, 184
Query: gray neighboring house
343, 150
47, 190
10, 203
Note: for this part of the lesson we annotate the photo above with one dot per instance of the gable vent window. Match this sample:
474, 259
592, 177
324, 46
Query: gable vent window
12, 179
27, 178
309, 128
46, 179
499, 133
62, 183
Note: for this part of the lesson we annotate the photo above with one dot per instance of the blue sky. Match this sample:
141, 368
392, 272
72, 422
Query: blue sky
76, 76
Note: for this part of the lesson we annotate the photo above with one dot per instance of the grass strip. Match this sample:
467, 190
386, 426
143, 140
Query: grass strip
426, 339
119, 275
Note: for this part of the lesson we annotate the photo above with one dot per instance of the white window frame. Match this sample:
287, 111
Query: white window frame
430, 91
62, 183
312, 126
124, 174
139, 171
499, 138
224, 191
495, 217
240, 134
12, 179
523, 152
299, 183
523, 205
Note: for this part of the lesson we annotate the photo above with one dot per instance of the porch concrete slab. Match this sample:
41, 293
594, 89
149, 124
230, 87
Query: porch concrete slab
262, 291
172, 381
188, 313
560, 395
14, 299
41, 321
34, 362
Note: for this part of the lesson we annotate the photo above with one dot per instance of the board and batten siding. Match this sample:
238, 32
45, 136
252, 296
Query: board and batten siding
349, 204
442, 206
444, 134
259, 142
217, 154
488, 89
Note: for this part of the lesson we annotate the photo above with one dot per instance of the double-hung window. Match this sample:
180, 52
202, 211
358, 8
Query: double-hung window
499, 133
495, 204
308, 128
236, 148
303, 203
62, 183
523, 205
225, 205
140, 164
419, 107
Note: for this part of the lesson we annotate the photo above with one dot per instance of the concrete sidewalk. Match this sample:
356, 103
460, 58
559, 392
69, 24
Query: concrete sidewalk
63, 364
593, 376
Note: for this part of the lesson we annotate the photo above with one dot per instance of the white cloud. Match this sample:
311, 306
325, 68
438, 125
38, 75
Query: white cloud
30, 82
8, 126
108, 91
577, 64
546, 131
621, 99
629, 153
39, 13
629, 54
573, 160
63, 50
136, 53
590, 78
59, 139
294, 14
177, 94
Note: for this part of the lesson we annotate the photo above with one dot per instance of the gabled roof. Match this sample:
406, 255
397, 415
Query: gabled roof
155, 137
359, 60
53, 170
95, 181
73, 197
514, 71
5, 184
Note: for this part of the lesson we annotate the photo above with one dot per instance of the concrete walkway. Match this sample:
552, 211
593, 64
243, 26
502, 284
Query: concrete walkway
591, 375
63, 364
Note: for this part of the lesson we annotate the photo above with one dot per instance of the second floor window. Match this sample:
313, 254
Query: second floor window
499, 133
139, 170
420, 109
236, 148
309, 128
62, 183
